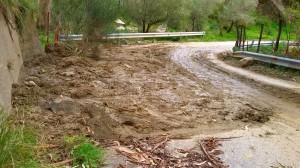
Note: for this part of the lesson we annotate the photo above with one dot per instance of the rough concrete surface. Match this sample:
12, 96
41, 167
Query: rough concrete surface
10, 61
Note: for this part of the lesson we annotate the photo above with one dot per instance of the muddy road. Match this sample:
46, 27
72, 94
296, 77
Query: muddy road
179, 89
273, 143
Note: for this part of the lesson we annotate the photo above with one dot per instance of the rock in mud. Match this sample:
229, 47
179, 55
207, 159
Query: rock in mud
246, 62
63, 104
30, 84
69, 74
254, 116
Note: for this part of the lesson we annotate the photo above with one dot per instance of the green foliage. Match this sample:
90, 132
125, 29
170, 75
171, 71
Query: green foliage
84, 152
16, 144
84, 16
270, 50
15, 11
147, 13
199, 11
239, 11
43, 37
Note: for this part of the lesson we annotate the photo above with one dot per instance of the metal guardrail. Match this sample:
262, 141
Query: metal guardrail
246, 46
287, 62
133, 35
263, 43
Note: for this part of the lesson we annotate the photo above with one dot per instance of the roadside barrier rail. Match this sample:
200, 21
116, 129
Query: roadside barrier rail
282, 61
79, 37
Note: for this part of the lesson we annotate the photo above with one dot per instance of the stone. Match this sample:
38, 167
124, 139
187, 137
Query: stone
246, 62
30, 84
32, 78
69, 74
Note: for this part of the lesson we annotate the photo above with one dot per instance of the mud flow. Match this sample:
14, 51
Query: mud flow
133, 92
129, 90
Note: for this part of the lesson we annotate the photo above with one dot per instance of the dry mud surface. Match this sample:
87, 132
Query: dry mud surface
145, 90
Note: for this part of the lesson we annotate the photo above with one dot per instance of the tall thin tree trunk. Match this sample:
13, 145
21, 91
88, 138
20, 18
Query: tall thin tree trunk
241, 37
280, 24
288, 35
144, 26
230, 28
220, 29
148, 28
221, 32
193, 25
244, 39
260, 37
237, 34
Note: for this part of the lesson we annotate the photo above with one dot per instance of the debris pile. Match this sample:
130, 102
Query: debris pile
152, 152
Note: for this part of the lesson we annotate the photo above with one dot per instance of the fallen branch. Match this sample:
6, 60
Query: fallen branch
209, 157
228, 138
62, 163
50, 146
152, 152
159, 144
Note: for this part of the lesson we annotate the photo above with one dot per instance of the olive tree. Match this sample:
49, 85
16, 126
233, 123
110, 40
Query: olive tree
200, 10
239, 12
274, 9
90, 17
147, 13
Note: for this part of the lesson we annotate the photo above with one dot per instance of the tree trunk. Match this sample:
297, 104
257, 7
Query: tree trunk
144, 26
241, 37
237, 34
148, 28
230, 28
244, 39
221, 32
44, 7
260, 37
193, 25
280, 24
220, 29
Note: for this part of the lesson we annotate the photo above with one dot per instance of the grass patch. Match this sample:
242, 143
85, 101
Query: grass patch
269, 50
16, 144
253, 32
84, 152
281, 69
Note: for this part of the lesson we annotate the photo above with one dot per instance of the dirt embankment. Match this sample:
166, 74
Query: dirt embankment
130, 90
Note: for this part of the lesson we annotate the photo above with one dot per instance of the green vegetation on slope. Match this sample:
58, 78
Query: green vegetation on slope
16, 144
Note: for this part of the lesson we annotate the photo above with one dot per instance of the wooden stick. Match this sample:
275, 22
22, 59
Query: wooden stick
208, 156
159, 144
62, 163
50, 146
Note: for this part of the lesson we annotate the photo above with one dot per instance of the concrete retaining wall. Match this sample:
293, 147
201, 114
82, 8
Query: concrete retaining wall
10, 61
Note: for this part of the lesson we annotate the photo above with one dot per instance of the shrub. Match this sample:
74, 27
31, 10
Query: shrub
84, 152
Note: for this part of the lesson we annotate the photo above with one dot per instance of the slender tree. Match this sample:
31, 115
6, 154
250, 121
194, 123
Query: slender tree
275, 10
240, 13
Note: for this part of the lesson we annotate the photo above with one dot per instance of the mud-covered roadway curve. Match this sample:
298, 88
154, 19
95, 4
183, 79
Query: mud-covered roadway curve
283, 98
200, 59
